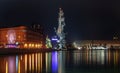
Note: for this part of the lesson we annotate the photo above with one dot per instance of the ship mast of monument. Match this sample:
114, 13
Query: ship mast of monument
60, 30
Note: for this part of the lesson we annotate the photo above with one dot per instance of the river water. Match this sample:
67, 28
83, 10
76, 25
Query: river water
92, 61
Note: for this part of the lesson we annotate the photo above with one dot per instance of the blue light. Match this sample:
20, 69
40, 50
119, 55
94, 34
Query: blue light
54, 62
16, 63
54, 39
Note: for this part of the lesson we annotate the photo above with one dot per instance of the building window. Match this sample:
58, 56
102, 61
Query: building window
30, 45
19, 37
25, 45
6, 35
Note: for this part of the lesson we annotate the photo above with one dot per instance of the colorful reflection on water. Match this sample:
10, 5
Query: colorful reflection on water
62, 62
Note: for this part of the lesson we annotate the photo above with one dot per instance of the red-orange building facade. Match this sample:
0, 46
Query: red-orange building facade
21, 37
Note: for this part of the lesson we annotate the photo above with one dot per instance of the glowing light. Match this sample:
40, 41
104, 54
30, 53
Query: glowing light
25, 62
6, 35
39, 45
33, 65
11, 65
79, 48
29, 45
36, 45
18, 66
32, 45
75, 44
36, 62
46, 57
20, 57
54, 62
25, 45
17, 43
39, 62
11, 36
29, 62
11, 45
6, 67
19, 37
16, 63
58, 41
54, 39
98, 47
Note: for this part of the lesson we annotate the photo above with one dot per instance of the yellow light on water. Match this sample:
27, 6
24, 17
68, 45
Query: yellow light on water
6, 67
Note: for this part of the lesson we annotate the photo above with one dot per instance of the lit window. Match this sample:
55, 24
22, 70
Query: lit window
25, 45
39, 45
36, 45
32, 45
29, 45
19, 37
6, 35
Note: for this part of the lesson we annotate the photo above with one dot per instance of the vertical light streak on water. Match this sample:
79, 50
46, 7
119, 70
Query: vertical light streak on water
106, 56
117, 57
41, 62
32, 62
109, 55
102, 57
16, 63
6, 70
54, 62
29, 63
25, 63
114, 58
12, 64
60, 63
36, 62
90, 57
87, 57
46, 57
19, 66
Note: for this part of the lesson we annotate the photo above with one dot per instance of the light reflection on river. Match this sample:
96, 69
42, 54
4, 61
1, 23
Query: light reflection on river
62, 62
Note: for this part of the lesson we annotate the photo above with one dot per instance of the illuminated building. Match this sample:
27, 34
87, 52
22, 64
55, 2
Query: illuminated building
22, 37
97, 44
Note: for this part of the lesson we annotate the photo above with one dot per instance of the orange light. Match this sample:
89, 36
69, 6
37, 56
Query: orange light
19, 37
6, 35
32, 45
25, 45
29, 45
36, 45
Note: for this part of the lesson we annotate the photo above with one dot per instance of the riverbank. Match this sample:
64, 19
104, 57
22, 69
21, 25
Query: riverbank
23, 51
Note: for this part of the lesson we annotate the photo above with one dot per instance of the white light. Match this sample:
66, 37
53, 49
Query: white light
99, 47
79, 47
58, 41
17, 43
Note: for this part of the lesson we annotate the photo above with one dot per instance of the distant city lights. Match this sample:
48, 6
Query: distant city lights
79, 48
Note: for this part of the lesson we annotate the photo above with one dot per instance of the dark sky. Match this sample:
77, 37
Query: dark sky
85, 19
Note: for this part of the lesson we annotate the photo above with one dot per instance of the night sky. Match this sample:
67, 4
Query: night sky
85, 19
